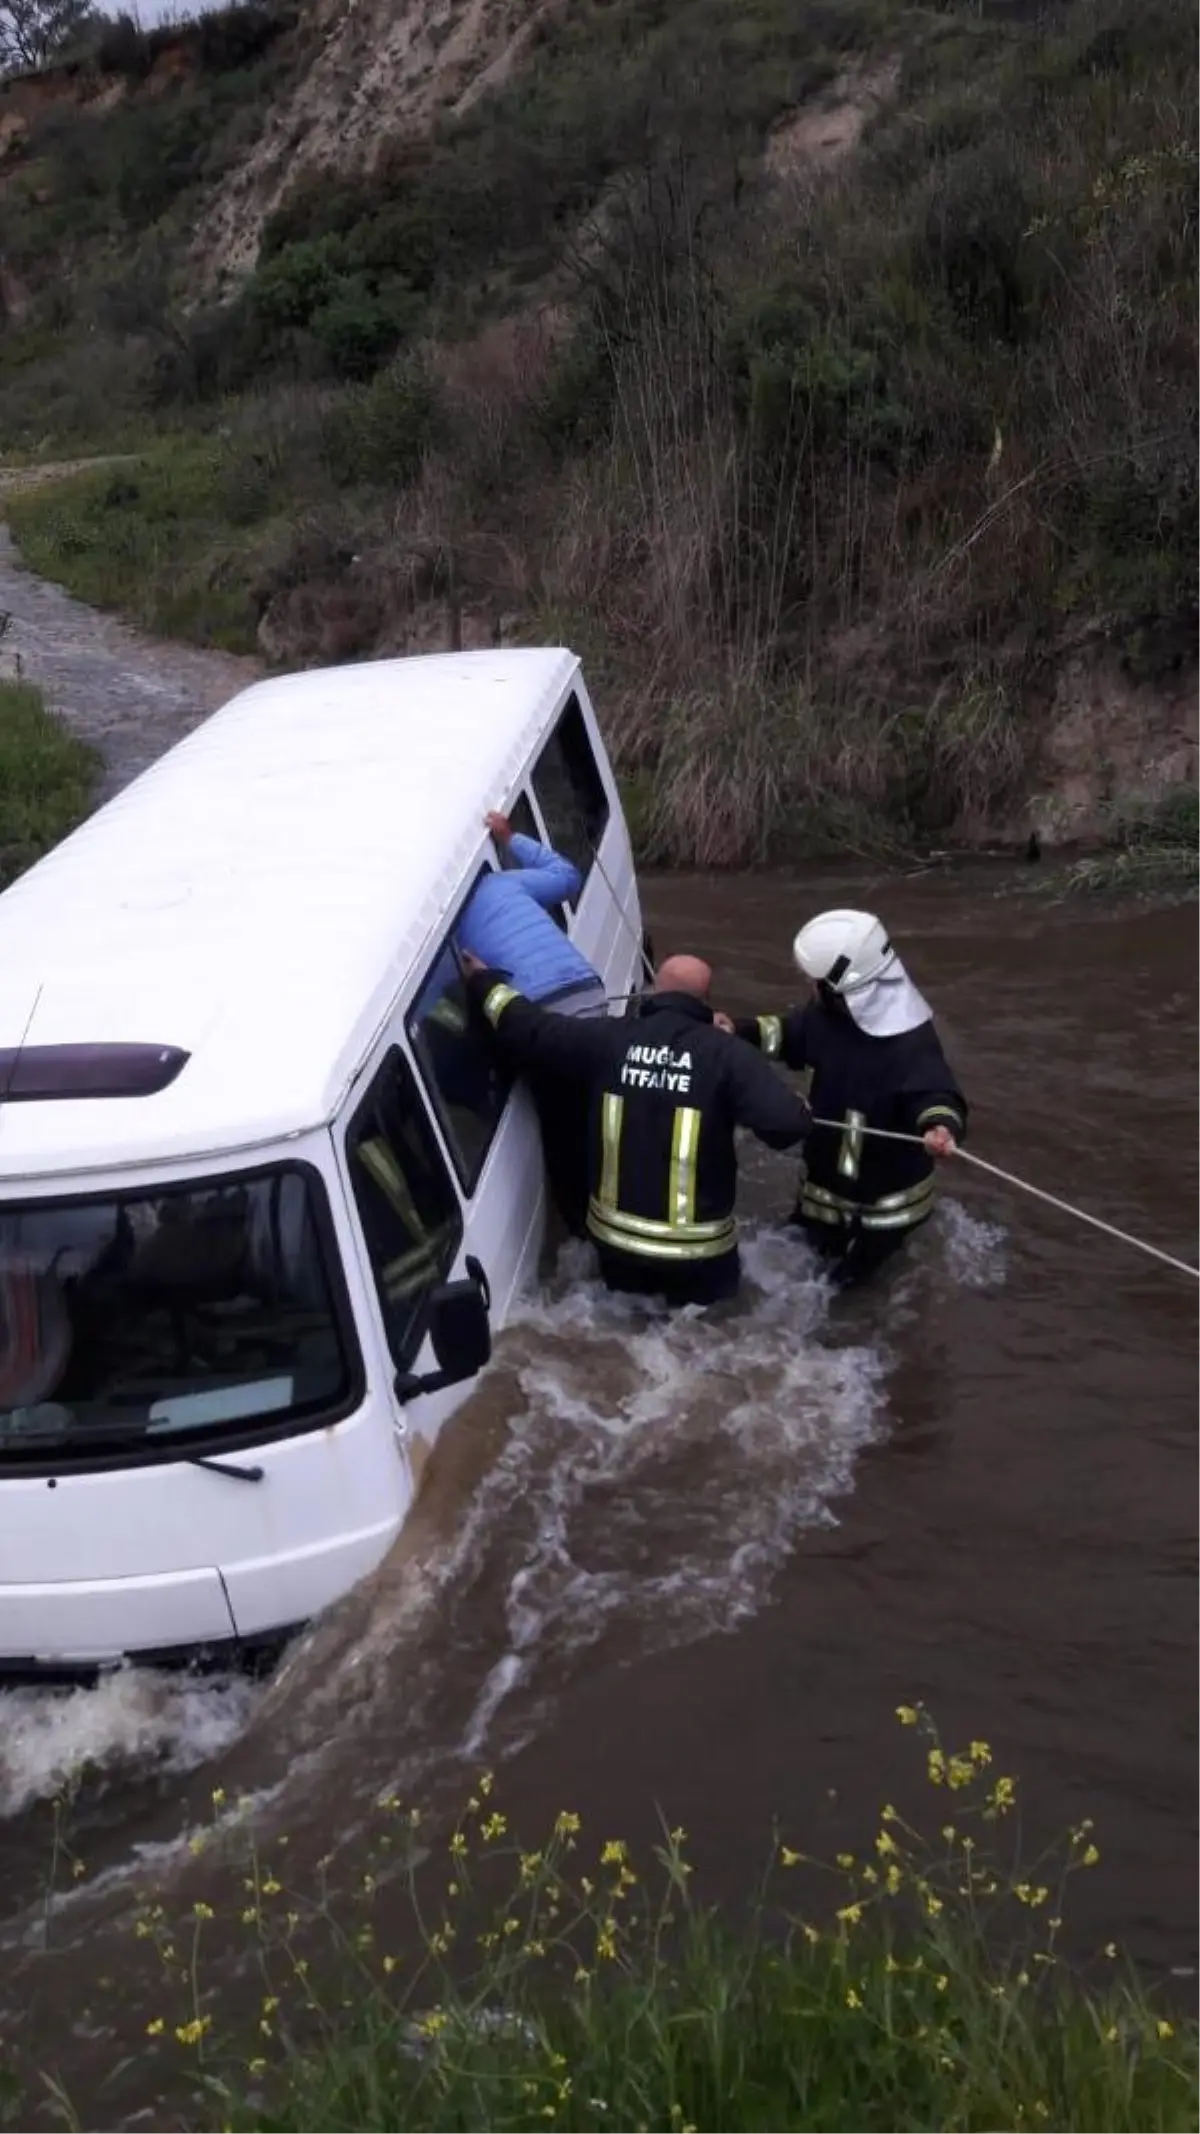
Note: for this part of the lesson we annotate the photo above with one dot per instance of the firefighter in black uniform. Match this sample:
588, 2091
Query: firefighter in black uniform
868, 1041
662, 1092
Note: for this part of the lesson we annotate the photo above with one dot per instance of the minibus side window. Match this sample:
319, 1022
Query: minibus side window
406, 1202
467, 1081
570, 790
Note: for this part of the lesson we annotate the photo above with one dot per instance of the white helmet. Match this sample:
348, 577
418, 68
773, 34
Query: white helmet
845, 950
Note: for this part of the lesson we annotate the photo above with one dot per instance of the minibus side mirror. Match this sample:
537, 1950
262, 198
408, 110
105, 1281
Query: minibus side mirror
461, 1333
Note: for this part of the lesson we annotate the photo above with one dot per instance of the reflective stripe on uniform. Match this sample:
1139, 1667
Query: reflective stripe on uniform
895, 1211
612, 1115
659, 1241
681, 1180
933, 1113
770, 1035
448, 1015
850, 1152
497, 1001
680, 1236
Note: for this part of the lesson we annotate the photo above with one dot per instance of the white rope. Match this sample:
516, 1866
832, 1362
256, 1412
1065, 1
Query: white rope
962, 1155
626, 922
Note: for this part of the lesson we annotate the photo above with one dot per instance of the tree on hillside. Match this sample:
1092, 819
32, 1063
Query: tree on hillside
33, 32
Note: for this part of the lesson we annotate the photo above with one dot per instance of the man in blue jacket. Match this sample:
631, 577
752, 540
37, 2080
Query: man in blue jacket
507, 927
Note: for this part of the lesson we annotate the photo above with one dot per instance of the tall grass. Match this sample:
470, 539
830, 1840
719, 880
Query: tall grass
47, 778
468, 1983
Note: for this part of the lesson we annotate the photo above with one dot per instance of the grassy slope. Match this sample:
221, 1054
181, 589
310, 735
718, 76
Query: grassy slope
818, 481
47, 778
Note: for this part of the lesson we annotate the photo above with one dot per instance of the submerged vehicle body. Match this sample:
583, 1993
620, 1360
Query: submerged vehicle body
264, 1189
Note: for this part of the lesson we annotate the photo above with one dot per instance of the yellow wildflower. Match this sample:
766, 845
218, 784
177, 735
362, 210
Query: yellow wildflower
885, 1844
432, 2024
936, 1765
810, 1934
389, 1964
941, 1982
217, 1796
202, 1911
933, 1905
850, 1914
191, 2033
853, 1999
845, 1859
615, 1850
1111, 2034
787, 1857
888, 1814
271, 1887
495, 1827
1164, 2029
486, 1782
458, 1845
256, 2067
908, 1714
156, 2028
1110, 1948
980, 1753
566, 1823
1091, 1855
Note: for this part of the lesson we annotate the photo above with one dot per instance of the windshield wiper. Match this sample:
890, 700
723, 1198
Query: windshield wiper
226, 1467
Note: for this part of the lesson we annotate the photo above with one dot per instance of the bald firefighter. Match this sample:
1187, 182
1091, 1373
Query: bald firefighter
660, 1095
867, 1038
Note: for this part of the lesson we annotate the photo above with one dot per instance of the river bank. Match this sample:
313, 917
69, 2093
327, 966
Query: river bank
579, 1983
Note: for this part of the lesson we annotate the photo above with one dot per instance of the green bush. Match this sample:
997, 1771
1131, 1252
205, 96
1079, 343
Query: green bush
970, 243
357, 329
379, 434
47, 778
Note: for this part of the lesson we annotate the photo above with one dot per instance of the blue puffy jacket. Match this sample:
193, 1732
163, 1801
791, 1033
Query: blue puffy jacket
507, 923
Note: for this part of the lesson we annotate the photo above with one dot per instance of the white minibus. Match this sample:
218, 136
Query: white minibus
264, 1189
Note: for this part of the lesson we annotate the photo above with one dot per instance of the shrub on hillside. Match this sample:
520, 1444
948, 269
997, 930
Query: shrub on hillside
379, 434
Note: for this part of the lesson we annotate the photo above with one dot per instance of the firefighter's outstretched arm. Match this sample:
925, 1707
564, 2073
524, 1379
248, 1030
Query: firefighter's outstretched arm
534, 1036
764, 1104
779, 1037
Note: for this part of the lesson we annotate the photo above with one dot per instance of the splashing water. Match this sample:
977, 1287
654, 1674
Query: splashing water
132, 1720
653, 1473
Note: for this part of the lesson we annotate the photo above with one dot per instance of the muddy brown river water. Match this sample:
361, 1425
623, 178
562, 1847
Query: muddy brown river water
694, 1567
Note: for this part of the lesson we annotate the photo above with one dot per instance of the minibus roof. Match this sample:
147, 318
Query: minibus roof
257, 898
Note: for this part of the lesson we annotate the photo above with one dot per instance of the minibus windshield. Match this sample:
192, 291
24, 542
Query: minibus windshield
169, 1317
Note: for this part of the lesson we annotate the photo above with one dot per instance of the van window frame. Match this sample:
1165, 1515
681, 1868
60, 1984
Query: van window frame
525, 796
467, 1177
214, 1440
572, 707
396, 1051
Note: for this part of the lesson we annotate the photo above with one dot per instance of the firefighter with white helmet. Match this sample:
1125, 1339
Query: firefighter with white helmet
867, 1038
